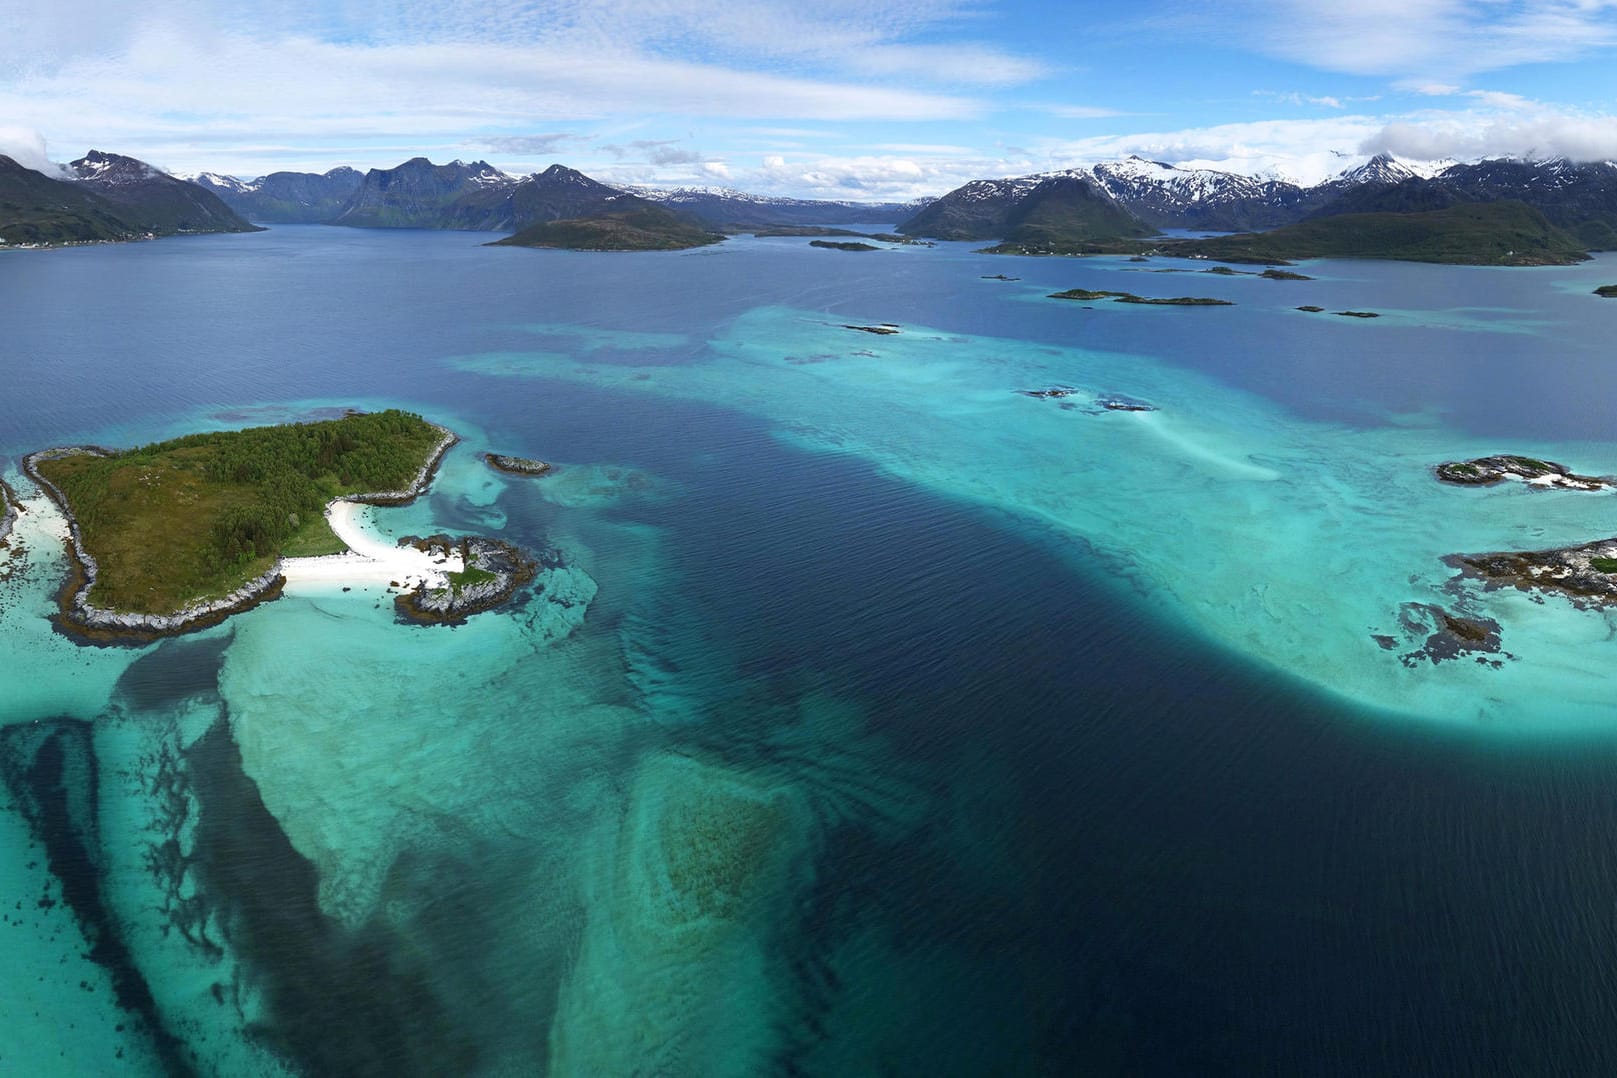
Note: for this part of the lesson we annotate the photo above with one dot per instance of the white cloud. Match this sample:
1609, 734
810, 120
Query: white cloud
1079, 112
300, 90
26, 146
1531, 131
1303, 150
1429, 41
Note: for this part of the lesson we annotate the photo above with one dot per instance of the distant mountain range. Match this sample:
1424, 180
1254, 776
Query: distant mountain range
1085, 210
480, 197
1106, 207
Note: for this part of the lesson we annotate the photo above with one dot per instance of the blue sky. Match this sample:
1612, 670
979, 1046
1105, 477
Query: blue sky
832, 99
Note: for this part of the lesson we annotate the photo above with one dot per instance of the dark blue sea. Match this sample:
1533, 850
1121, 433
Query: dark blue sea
871, 717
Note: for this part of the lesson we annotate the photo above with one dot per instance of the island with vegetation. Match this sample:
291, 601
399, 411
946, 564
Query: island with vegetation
1607, 291
1478, 233
1540, 474
1587, 572
843, 245
638, 226
1130, 297
776, 231
490, 572
500, 462
171, 537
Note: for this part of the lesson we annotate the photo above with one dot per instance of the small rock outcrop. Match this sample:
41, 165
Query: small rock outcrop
1587, 573
517, 465
1486, 471
1447, 636
8, 510
494, 571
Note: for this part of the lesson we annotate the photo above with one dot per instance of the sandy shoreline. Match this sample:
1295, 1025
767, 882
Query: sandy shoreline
369, 560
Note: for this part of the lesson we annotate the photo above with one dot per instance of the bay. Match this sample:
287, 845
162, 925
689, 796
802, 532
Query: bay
878, 718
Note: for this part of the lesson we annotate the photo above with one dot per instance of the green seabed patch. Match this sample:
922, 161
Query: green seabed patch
1221, 512
199, 516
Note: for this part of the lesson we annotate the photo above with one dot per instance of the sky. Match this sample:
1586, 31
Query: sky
870, 100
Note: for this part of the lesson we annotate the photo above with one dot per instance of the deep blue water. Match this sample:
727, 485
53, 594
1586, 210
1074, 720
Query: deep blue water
1133, 852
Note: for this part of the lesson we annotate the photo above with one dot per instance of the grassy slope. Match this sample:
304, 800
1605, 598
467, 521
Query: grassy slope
37, 209
150, 516
642, 228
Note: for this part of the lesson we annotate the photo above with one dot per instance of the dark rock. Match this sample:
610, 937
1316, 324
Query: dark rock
517, 465
1448, 635
1587, 573
1486, 471
494, 571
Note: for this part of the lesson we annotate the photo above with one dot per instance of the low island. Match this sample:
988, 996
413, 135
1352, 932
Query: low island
500, 462
175, 536
631, 225
1607, 291
1130, 297
1540, 474
1587, 573
1473, 234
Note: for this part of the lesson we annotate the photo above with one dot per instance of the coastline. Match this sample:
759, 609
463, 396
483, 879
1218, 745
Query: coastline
9, 508
78, 618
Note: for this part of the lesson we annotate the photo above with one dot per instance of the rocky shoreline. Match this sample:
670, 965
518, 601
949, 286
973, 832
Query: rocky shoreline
78, 618
500, 568
9, 508
1486, 471
1587, 572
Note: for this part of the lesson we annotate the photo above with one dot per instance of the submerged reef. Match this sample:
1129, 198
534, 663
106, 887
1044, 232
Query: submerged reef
1446, 636
1110, 402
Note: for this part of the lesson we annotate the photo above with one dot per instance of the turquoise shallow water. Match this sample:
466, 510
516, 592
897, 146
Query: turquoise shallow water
870, 715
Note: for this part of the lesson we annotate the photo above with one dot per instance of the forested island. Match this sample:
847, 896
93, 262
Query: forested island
180, 533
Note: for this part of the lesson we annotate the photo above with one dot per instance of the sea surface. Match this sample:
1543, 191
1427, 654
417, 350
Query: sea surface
874, 717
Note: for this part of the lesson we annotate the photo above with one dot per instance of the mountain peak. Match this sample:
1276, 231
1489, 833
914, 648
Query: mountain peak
111, 168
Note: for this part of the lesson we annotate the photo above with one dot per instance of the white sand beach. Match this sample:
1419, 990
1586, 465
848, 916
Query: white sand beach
369, 560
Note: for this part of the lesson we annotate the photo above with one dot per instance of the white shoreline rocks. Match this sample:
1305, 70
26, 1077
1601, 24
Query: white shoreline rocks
8, 510
80, 618
508, 569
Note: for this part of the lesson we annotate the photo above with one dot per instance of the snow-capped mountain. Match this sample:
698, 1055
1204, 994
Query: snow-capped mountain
1071, 201
1167, 196
1579, 197
151, 199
